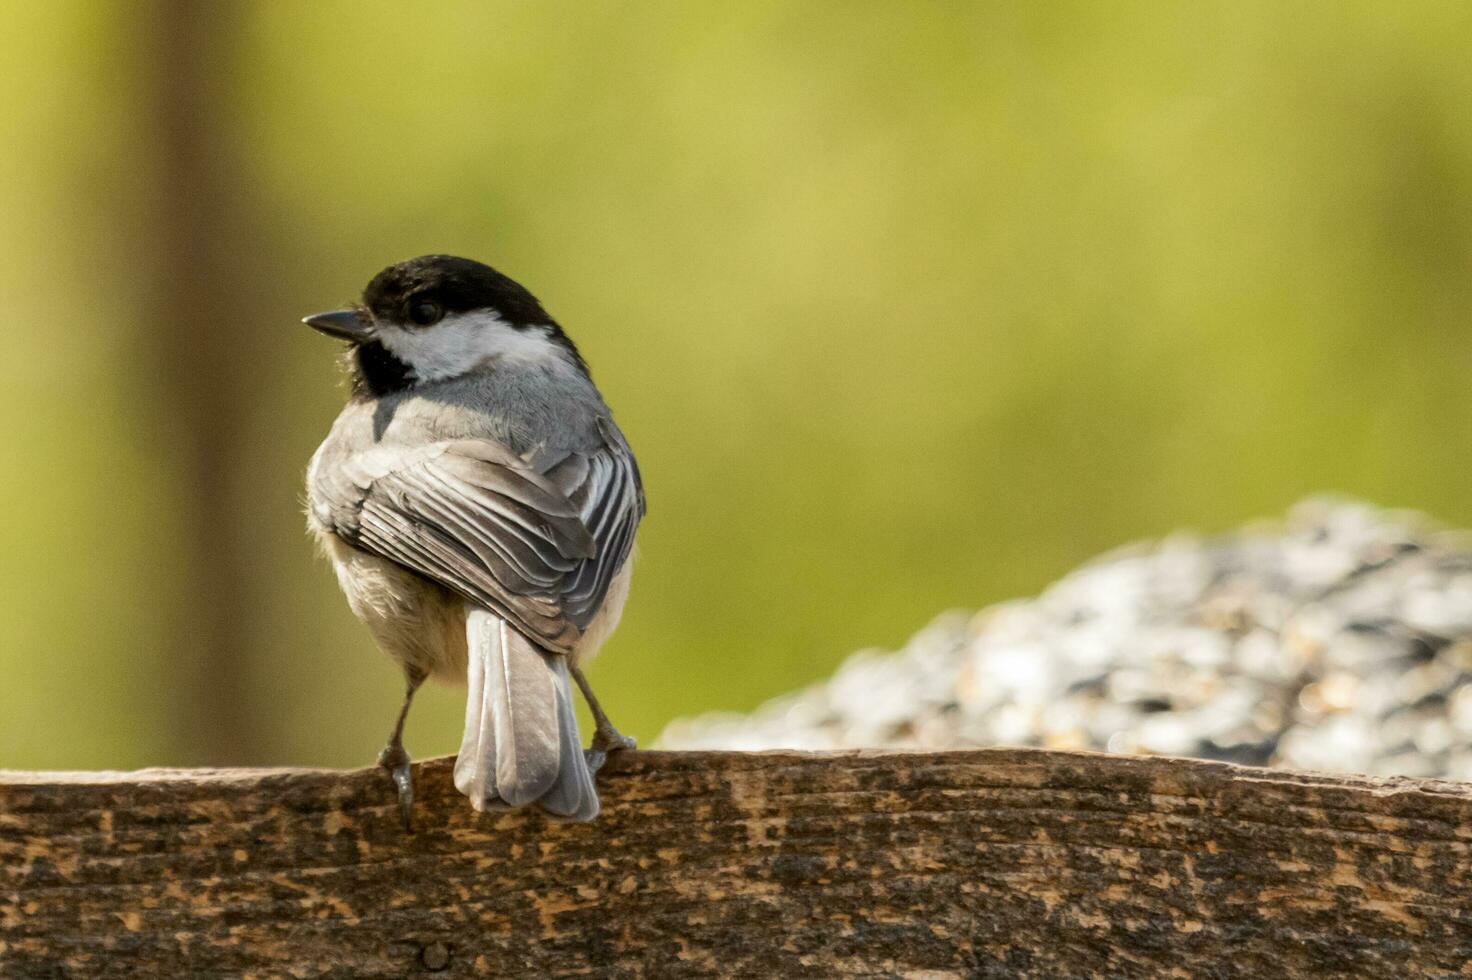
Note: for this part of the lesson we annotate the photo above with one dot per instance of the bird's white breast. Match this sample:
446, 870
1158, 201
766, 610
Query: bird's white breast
417, 623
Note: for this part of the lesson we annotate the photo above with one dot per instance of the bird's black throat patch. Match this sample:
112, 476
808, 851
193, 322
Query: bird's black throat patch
376, 372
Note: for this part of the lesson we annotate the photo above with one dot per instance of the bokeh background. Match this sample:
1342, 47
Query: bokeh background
903, 306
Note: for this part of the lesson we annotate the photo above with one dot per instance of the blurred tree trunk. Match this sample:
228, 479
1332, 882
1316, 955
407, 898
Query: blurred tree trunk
202, 305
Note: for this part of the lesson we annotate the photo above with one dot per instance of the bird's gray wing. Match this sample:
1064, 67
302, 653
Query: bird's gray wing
606, 488
535, 544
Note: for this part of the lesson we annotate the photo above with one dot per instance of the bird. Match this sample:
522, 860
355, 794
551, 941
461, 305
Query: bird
479, 505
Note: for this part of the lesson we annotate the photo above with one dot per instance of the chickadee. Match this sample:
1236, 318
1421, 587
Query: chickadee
479, 506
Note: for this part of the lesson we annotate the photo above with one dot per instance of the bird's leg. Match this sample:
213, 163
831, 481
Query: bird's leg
395, 759
606, 738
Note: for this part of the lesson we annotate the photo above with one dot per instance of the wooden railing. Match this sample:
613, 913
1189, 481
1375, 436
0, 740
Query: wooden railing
955, 864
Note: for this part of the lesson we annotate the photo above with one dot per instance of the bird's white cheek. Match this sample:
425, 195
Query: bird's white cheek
459, 344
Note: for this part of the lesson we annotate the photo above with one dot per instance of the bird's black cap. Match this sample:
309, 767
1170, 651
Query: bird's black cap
457, 285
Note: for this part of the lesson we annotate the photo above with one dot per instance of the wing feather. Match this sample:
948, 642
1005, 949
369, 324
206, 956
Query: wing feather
536, 540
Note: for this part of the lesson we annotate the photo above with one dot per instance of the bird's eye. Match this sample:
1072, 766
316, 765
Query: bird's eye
424, 312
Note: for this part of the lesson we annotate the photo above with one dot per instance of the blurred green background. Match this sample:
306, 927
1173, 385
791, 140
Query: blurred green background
903, 306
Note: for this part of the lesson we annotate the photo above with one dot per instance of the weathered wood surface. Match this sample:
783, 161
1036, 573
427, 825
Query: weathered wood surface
988, 863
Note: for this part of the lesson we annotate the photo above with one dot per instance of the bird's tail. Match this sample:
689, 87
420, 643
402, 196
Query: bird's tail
521, 740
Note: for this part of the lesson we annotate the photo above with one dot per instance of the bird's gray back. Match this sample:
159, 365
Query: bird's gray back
519, 494
535, 407
520, 406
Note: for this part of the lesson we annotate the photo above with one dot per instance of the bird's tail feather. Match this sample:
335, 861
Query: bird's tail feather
521, 741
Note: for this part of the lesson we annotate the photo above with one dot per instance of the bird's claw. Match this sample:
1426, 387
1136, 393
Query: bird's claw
605, 742
396, 761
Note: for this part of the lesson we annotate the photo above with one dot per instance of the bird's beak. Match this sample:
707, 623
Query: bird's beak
353, 325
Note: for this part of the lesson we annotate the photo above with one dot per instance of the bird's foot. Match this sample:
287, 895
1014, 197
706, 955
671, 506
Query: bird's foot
395, 761
606, 740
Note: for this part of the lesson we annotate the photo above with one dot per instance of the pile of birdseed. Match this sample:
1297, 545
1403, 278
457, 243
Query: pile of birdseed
1340, 639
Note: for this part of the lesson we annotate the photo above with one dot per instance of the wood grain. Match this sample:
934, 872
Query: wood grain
956, 864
